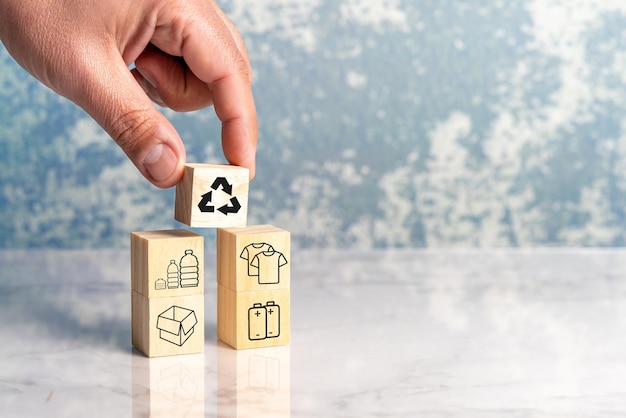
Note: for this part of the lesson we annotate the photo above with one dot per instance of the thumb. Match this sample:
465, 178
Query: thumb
110, 94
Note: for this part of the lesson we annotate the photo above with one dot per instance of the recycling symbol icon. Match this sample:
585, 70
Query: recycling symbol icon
206, 205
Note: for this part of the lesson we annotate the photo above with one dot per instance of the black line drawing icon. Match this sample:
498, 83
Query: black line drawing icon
206, 203
257, 322
172, 275
176, 324
184, 274
263, 321
250, 251
264, 262
268, 264
273, 319
160, 284
189, 270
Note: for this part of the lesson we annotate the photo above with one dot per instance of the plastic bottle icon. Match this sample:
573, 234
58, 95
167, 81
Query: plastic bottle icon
172, 275
189, 270
160, 284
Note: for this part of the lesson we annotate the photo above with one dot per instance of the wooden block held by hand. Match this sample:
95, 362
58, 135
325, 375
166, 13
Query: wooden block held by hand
212, 196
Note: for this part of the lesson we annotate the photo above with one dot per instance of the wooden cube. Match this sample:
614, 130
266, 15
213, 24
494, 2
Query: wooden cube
167, 326
253, 319
211, 196
167, 263
253, 258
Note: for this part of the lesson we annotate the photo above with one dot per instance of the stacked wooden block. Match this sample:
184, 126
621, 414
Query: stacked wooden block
253, 276
167, 271
167, 280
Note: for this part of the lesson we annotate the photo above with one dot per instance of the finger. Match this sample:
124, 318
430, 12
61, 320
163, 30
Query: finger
109, 93
234, 106
148, 88
212, 53
241, 46
227, 73
168, 82
171, 82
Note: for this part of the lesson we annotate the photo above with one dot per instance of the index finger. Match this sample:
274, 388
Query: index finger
213, 51
234, 106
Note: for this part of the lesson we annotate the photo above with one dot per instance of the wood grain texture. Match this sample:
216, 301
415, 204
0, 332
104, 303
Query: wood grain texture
254, 258
212, 196
167, 263
167, 326
253, 319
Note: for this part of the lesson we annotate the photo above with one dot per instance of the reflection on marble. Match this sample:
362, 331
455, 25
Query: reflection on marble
254, 382
168, 386
533, 333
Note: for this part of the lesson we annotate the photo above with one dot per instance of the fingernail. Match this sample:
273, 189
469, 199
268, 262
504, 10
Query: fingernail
160, 162
147, 76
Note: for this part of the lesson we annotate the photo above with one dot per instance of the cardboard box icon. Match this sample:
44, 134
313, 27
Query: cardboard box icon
176, 324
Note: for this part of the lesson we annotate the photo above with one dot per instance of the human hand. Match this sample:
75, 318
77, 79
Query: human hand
187, 54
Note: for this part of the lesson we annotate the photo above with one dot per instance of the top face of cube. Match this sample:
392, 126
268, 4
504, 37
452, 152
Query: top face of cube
212, 196
167, 263
253, 258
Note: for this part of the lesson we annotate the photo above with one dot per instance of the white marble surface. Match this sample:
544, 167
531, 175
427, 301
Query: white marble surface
435, 333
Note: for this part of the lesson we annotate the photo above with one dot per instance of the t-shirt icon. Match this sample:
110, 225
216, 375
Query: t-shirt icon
250, 251
264, 262
269, 263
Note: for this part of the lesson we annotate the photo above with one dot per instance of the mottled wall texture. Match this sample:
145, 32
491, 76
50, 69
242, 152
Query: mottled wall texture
383, 123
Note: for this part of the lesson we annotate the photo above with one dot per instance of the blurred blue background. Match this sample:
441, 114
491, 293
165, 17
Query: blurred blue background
382, 124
